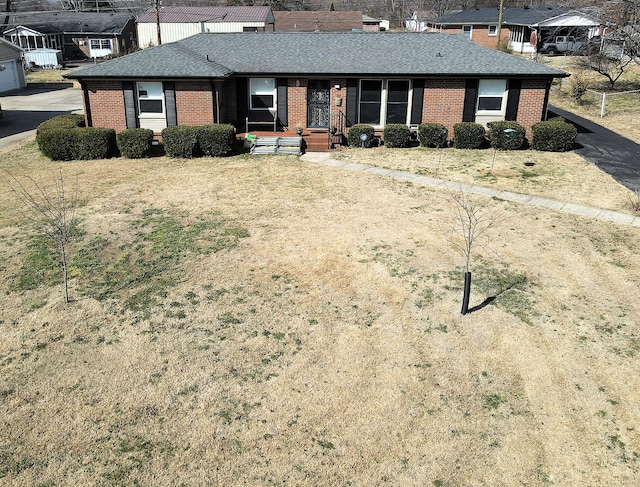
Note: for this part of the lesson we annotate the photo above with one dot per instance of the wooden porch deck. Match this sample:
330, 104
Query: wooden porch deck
312, 140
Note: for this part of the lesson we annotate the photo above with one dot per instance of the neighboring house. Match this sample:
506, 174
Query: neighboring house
181, 22
374, 25
77, 34
318, 20
525, 28
11, 67
286, 80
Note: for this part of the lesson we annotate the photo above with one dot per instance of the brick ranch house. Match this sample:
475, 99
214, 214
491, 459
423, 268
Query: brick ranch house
322, 81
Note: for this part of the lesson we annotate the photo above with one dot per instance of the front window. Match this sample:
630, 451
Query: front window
263, 92
150, 98
384, 101
370, 101
397, 101
466, 29
493, 30
491, 95
96, 44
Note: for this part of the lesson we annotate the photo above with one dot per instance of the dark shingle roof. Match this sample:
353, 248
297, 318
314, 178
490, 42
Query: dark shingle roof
71, 22
513, 16
179, 15
322, 53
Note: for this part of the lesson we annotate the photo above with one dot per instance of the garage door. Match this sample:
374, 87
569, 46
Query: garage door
9, 76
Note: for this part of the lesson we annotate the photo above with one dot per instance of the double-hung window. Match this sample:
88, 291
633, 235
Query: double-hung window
96, 44
263, 93
384, 101
493, 30
491, 96
467, 29
370, 101
150, 99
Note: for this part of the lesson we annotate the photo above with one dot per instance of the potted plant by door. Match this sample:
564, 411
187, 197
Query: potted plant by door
299, 129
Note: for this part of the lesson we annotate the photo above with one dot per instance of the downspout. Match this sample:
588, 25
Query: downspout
87, 104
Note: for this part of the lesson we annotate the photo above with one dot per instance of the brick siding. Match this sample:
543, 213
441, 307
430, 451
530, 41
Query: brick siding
194, 102
107, 104
532, 96
297, 102
480, 34
443, 102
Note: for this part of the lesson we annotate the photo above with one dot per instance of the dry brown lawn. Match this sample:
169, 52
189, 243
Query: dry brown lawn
621, 111
300, 325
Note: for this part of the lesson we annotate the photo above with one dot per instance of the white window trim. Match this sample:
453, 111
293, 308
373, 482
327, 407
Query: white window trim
384, 99
470, 30
495, 31
155, 115
503, 106
273, 93
100, 46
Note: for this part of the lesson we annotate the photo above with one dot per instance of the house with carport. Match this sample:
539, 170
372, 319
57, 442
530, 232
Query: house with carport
280, 80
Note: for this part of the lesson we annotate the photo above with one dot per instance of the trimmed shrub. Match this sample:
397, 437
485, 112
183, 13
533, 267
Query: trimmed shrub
67, 121
355, 131
396, 135
135, 143
468, 135
216, 140
181, 141
57, 144
55, 136
500, 140
433, 135
554, 135
94, 143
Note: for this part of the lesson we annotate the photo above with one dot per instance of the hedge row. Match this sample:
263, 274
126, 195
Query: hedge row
191, 141
65, 138
554, 135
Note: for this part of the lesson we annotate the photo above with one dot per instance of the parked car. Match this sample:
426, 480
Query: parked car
562, 45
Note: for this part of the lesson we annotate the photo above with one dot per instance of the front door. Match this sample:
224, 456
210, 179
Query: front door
318, 95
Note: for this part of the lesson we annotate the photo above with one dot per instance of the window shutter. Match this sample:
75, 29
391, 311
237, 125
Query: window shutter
170, 103
352, 102
242, 93
416, 102
470, 100
513, 99
130, 105
283, 116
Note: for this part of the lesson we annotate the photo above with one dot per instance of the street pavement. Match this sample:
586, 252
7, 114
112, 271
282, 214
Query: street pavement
25, 109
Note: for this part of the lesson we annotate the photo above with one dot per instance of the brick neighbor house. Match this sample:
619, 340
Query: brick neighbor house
525, 28
322, 81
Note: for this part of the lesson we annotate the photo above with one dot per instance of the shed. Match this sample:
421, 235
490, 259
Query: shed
43, 58
11, 67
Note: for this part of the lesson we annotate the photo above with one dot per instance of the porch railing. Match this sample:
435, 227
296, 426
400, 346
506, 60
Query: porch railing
337, 129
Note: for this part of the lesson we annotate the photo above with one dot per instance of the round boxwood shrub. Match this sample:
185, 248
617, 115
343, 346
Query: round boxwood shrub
505, 135
93, 143
355, 131
433, 135
468, 135
396, 135
216, 140
181, 141
135, 143
554, 135
55, 137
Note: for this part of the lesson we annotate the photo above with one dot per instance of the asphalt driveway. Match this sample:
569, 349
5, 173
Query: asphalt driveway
23, 110
612, 153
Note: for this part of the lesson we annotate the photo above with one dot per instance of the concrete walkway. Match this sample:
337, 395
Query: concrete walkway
324, 158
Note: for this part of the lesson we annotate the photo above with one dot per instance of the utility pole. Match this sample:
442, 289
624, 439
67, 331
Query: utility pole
157, 7
499, 33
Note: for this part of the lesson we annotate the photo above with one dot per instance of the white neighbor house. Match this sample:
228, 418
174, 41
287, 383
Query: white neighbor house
178, 23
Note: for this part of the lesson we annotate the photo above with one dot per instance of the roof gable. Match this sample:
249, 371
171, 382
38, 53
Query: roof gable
305, 54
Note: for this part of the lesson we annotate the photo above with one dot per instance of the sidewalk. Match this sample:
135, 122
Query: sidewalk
324, 158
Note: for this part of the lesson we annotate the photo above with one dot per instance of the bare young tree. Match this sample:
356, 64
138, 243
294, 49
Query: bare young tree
51, 211
471, 222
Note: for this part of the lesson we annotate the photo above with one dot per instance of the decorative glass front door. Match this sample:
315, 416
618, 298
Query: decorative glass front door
318, 96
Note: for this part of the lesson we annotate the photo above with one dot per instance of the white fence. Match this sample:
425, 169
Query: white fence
628, 100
